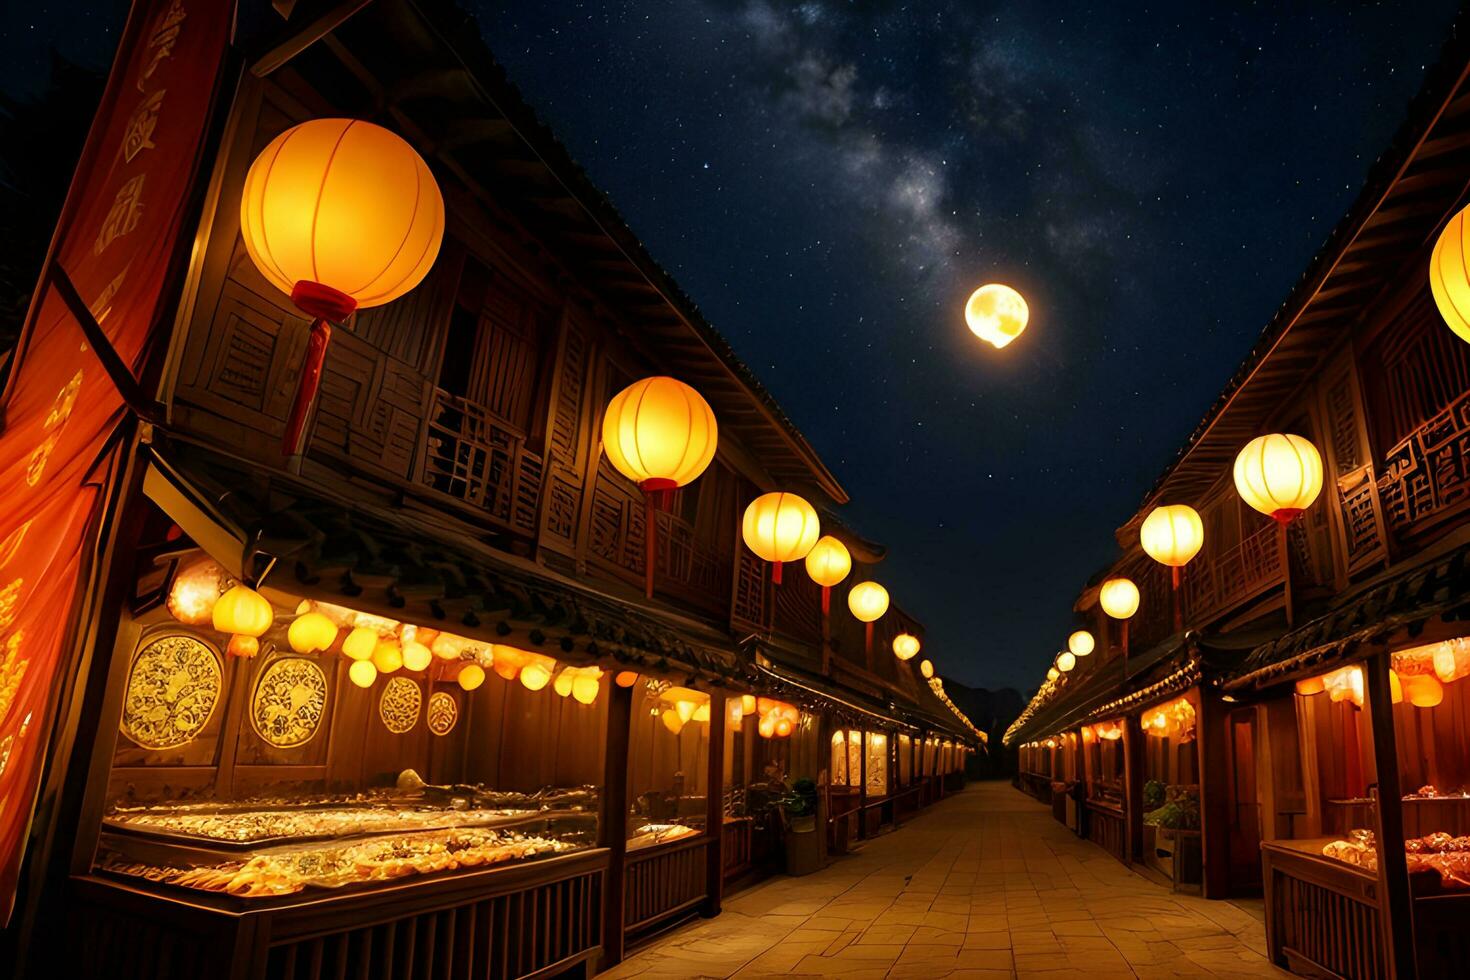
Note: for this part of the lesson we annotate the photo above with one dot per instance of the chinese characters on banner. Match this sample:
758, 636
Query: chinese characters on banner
119, 233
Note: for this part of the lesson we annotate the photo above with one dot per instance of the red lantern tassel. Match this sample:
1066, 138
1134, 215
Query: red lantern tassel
658, 494
776, 572
324, 304
868, 639
826, 600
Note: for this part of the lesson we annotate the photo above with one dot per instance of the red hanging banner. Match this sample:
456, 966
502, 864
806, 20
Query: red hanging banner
115, 243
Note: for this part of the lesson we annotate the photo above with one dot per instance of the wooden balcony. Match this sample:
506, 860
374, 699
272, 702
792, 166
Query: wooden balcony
1234, 577
1425, 478
476, 457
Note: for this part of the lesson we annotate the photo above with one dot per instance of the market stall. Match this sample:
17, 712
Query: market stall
1172, 843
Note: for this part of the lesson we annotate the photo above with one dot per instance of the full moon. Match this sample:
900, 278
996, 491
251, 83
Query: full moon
996, 314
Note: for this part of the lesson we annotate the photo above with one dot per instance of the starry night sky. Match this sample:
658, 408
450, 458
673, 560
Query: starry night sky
830, 181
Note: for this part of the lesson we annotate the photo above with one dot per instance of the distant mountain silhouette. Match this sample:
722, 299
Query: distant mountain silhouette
992, 712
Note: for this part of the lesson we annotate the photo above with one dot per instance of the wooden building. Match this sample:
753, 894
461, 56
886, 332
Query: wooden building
460, 740
1304, 715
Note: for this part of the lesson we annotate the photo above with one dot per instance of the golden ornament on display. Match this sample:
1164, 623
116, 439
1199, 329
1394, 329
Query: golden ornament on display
173, 687
399, 705
289, 702
443, 712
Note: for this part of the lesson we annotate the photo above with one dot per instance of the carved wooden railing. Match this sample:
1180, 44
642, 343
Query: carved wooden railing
1425, 479
479, 458
1234, 577
1107, 829
735, 845
1364, 538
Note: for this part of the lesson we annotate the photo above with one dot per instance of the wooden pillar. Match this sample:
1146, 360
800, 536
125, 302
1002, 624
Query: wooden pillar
1133, 786
863, 785
1212, 730
714, 811
1396, 906
612, 824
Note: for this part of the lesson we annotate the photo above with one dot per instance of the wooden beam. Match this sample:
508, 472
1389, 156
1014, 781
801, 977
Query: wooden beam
612, 823
298, 37
1395, 905
714, 810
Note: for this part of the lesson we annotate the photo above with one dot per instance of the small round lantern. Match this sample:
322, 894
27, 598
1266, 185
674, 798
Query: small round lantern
661, 434
1081, 643
868, 601
1279, 475
1172, 535
905, 646
1066, 661
311, 632
780, 527
1119, 598
360, 643
362, 673
471, 676
246, 614
828, 563
926, 667
996, 314
340, 214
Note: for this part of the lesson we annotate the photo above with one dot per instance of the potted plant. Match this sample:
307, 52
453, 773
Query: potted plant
803, 840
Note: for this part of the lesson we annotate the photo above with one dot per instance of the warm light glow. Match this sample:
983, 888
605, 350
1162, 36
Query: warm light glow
626, 678
587, 685
1279, 475
1449, 660
660, 433
1119, 598
362, 673
343, 203
767, 726
416, 656
244, 611
508, 661
868, 601
701, 713
194, 592
905, 646
1310, 686
783, 727
747, 704
242, 646
1052, 674
1081, 643
996, 314
926, 667
1172, 534
471, 676
1448, 280
1395, 687
387, 656
1066, 660
311, 633
360, 643
446, 646
1173, 719
829, 561
780, 527
1422, 690
536, 674
563, 683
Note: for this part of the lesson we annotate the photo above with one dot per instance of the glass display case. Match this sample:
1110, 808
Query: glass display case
668, 764
270, 746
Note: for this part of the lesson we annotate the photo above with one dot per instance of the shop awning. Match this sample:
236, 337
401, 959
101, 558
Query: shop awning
1401, 600
415, 566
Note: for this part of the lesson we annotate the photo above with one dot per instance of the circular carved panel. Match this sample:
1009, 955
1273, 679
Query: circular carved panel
173, 687
443, 712
399, 705
289, 702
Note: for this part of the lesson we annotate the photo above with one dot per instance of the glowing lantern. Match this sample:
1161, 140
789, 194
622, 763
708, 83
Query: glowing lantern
868, 601
1448, 281
1066, 661
563, 683
671, 720
242, 646
1052, 674
1310, 686
780, 527
783, 727
360, 643
1119, 598
311, 633
926, 668
747, 704
471, 676
339, 214
734, 710
701, 713
387, 656
828, 563
1422, 690
767, 726
587, 685
626, 678
244, 611
1279, 475
1081, 643
362, 673
536, 674
1395, 687
416, 656
194, 592
905, 646
445, 646
508, 661
1172, 534
996, 314
661, 434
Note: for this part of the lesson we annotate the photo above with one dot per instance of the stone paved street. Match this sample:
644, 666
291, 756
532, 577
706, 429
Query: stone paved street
985, 884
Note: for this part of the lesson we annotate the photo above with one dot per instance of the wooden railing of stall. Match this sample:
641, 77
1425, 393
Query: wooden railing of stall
529, 920
662, 882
